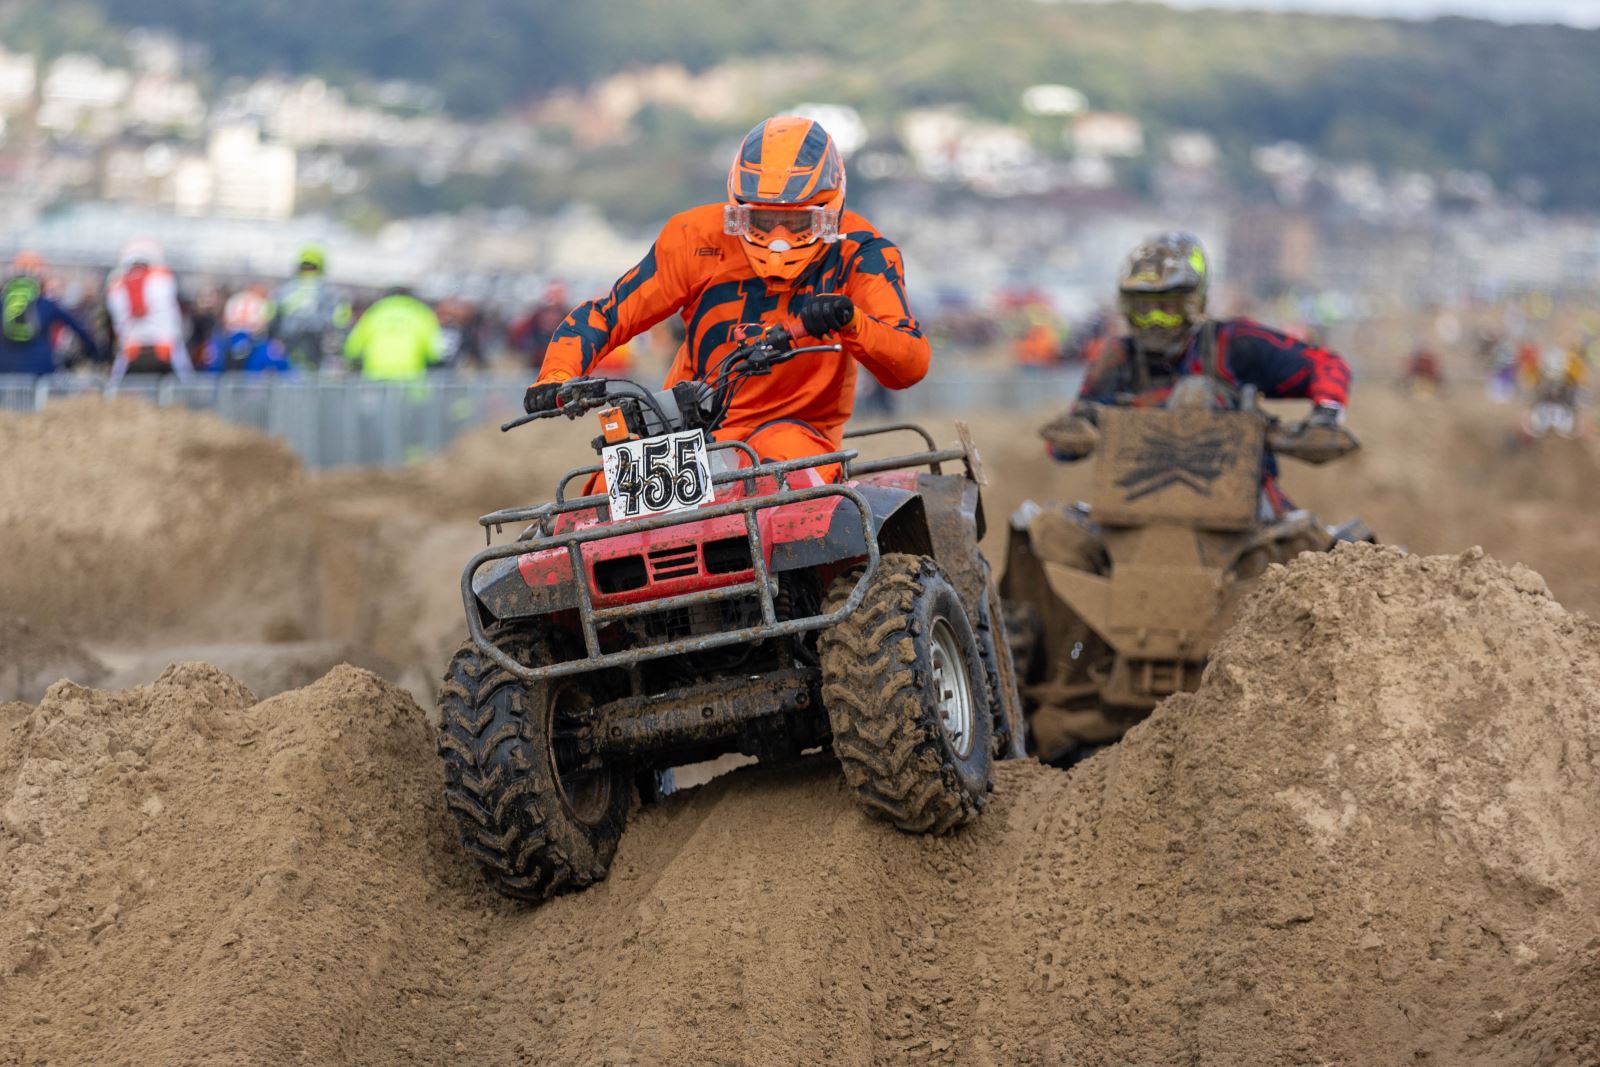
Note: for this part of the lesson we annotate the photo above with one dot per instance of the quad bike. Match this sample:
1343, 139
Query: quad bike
1553, 413
702, 601
1558, 377
1115, 604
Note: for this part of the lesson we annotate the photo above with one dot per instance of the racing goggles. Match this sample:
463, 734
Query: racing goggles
793, 225
1158, 311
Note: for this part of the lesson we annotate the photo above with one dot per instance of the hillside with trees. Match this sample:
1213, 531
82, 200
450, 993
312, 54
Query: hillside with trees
1513, 101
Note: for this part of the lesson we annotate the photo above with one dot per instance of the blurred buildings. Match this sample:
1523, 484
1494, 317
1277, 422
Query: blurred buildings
233, 175
236, 176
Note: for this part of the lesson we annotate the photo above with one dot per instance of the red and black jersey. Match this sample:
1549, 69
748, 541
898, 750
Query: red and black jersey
1236, 353
1245, 353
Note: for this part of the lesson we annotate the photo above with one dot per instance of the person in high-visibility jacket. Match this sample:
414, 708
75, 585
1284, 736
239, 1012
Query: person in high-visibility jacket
397, 339
780, 251
30, 321
307, 312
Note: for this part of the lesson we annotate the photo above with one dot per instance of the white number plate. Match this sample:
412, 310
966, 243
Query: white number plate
666, 473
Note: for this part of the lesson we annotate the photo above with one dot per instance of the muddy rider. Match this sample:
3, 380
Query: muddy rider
780, 250
1174, 355
1162, 295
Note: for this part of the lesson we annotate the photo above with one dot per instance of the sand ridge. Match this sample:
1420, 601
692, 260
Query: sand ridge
1368, 839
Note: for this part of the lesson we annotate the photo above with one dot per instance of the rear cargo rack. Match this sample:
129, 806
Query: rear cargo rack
933, 458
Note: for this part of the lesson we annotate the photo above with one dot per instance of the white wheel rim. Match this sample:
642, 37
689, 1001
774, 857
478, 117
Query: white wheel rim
952, 689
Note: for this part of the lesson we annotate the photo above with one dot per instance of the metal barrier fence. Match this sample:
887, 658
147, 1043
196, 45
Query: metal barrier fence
348, 422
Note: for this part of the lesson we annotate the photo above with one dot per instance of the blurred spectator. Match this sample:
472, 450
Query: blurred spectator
397, 339
241, 342
1502, 386
32, 321
957, 323
1423, 376
205, 318
246, 310
1528, 371
142, 300
243, 352
1555, 375
1038, 346
1090, 340
530, 335
1490, 348
307, 313
462, 326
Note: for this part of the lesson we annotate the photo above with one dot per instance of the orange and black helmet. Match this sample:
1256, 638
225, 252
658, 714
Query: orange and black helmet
785, 196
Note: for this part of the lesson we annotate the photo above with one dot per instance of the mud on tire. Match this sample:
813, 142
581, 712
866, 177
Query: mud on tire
878, 672
996, 646
532, 831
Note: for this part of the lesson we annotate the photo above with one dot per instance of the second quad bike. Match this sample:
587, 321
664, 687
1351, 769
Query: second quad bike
1557, 391
696, 600
1115, 604
1553, 413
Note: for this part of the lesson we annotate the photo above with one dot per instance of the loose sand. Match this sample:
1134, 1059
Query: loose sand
1368, 840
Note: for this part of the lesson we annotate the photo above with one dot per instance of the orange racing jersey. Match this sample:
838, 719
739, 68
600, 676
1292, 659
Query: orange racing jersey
696, 270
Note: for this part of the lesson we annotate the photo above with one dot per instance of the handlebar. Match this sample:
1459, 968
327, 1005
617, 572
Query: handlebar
708, 399
1311, 442
1076, 435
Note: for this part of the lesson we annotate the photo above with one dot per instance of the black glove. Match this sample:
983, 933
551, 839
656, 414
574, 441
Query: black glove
826, 313
1326, 415
540, 398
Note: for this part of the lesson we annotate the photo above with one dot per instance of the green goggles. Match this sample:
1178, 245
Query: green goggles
1156, 319
1160, 311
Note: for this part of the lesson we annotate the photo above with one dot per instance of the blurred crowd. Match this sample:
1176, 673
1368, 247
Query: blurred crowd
1521, 349
140, 319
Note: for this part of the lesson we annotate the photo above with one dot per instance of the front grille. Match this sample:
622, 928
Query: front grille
620, 574
679, 561
730, 555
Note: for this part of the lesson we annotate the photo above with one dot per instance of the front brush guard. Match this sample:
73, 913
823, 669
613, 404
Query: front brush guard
591, 618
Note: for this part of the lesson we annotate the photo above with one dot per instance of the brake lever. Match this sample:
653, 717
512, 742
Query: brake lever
579, 396
521, 420
785, 355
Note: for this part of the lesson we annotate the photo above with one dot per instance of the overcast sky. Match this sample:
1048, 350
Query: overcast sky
1575, 12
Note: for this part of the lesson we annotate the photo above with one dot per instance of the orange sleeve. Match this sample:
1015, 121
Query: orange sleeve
656, 287
885, 337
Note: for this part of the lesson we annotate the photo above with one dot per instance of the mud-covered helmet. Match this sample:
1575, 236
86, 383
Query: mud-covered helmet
1162, 293
785, 196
